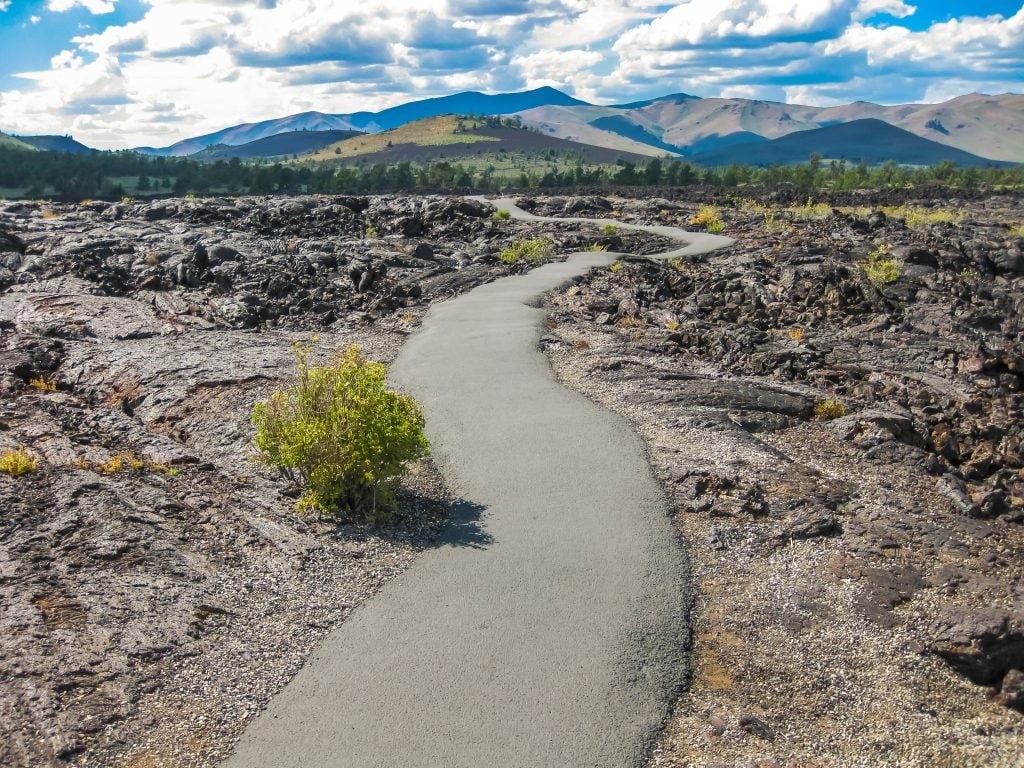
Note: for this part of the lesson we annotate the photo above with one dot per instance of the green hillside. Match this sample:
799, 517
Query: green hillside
9, 142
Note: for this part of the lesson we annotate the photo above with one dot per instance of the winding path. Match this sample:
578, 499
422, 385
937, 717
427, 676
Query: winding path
553, 636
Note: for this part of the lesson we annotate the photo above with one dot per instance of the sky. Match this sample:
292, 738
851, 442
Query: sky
124, 73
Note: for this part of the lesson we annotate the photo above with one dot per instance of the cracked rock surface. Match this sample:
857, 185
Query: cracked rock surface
156, 586
858, 567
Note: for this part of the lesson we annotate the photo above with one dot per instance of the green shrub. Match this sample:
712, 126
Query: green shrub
716, 227
535, 251
880, 270
371, 232
343, 434
829, 409
17, 462
609, 229
501, 215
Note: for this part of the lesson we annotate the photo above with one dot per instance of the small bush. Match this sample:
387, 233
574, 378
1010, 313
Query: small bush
880, 270
616, 267
829, 409
796, 334
596, 247
609, 229
17, 462
342, 433
705, 215
501, 215
42, 384
1016, 230
535, 251
371, 232
709, 217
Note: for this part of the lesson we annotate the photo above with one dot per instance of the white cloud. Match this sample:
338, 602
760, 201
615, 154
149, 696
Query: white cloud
35, 19
897, 8
4, 5
222, 62
93, 6
703, 23
556, 68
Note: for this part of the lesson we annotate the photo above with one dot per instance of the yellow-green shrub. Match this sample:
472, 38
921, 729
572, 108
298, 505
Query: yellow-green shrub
342, 433
829, 409
880, 270
537, 250
706, 214
17, 462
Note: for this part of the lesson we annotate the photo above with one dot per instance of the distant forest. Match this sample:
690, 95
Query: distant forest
113, 175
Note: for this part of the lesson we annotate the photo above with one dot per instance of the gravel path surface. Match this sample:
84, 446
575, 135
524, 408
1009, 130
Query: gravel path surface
550, 629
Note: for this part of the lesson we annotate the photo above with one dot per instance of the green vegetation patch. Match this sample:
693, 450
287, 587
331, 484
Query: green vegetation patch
536, 250
343, 434
880, 270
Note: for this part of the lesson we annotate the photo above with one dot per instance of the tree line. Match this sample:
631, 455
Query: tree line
111, 175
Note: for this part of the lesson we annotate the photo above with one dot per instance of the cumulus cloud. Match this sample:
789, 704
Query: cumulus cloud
896, 8
4, 5
715, 23
93, 6
555, 67
228, 61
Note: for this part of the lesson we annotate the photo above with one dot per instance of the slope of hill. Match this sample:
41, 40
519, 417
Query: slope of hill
579, 124
9, 142
450, 137
250, 132
279, 145
64, 144
871, 141
628, 129
461, 103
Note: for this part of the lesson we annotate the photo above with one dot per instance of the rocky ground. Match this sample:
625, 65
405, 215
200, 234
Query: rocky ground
844, 459
156, 586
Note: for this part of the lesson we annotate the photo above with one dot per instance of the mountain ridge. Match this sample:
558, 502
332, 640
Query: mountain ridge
463, 102
868, 140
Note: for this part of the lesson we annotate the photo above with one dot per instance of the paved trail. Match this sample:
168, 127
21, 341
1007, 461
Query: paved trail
554, 634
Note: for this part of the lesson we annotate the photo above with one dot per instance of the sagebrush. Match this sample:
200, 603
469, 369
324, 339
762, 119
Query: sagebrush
342, 433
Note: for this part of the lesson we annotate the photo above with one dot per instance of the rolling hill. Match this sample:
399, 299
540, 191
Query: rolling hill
450, 137
280, 145
371, 122
871, 141
64, 144
986, 126
9, 142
